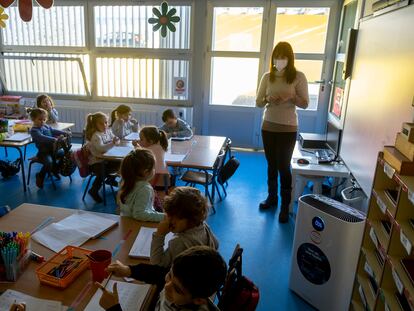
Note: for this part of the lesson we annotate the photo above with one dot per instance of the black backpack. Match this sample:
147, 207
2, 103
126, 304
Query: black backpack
66, 164
8, 168
228, 170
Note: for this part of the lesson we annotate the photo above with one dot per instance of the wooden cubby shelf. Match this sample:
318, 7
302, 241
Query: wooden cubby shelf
385, 270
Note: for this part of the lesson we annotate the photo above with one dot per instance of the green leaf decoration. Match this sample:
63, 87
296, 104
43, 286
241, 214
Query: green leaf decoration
164, 19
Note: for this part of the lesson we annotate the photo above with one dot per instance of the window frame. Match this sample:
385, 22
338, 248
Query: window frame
95, 52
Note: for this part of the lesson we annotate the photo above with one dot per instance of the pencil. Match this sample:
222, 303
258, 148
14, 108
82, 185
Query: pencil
107, 280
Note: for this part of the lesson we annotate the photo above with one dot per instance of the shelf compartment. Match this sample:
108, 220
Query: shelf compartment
372, 264
367, 290
383, 202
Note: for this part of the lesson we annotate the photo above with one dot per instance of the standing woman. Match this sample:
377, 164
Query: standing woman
280, 91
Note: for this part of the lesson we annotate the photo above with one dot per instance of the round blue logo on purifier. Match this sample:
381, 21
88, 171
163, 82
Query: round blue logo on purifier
318, 223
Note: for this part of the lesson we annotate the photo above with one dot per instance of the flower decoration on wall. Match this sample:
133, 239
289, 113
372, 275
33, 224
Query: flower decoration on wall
26, 7
164, 19
3, 18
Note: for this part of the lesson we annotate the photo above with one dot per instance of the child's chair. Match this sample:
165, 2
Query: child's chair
108, 180
35, 159
205, 178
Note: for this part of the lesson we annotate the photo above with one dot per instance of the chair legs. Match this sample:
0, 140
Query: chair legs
87, 187
48, 174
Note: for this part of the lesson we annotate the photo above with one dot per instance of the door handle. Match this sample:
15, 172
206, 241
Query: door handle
320, 81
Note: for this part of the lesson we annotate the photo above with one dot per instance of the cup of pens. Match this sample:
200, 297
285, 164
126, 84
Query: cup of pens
14, 254
99, 260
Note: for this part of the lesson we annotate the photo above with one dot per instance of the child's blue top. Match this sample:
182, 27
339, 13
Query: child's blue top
44, 137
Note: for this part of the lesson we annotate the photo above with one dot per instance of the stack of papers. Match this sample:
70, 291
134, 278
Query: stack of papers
11, 296
173, 157
142, 245
118, 151
131, 296
73, 230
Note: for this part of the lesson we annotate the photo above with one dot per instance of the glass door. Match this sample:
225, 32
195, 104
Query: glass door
241, 39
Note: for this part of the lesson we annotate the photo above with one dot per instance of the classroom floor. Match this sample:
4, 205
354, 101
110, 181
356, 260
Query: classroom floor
267, 244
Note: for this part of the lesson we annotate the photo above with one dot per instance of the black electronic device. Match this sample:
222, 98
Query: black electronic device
312, 140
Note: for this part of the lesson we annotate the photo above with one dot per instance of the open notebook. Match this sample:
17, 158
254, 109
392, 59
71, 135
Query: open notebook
131, 296
132, 136
11, 296
142, 245
74, 230
18, 137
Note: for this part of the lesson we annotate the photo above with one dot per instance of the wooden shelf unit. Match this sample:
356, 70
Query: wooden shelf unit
381, 280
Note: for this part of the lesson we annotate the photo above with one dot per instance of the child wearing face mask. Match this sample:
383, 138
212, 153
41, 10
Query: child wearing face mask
281, 90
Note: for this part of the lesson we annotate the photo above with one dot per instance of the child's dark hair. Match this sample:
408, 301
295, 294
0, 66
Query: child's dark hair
134, 167
187, 203
40, 98
168, 114
91, 120
121, 109
154, 136
201, 270
36, 112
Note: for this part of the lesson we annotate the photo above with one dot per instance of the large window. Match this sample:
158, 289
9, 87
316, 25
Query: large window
234, 55
98, 50
240, 48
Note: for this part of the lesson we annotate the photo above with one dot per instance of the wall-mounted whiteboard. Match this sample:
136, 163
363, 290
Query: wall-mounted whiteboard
381, 93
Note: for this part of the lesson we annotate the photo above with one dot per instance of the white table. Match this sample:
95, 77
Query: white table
312, 171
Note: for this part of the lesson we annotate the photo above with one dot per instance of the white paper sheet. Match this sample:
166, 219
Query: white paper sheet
74, 230
32, 303
132, 136
131, 296
173, 157
118, 151
18, 137
142, 244
56, 237
89, 223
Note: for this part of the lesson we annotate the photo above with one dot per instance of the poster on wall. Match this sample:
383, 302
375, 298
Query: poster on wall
179, 86
337, 104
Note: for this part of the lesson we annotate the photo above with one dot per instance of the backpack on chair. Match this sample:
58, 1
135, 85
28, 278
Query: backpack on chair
67, 165
228, 170
81, 158
238, 292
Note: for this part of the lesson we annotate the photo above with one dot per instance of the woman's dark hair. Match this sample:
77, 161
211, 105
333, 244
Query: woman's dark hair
154, 136
121, 109
283, 49
134, 167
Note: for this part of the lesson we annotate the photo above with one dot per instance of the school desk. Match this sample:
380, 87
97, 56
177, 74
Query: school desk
27, 217
200, 152
61, 126
301, 173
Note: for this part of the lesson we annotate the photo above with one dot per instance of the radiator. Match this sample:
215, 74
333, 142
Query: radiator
78, 116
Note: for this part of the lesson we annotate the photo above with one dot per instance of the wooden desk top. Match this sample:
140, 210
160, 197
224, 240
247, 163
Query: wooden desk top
26, 217
201, 151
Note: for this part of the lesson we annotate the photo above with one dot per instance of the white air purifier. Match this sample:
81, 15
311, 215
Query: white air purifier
326, 246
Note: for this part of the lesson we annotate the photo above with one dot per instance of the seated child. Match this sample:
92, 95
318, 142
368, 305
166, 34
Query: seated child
186, 211
173, 126
195, 275
121, 122
136, 195
155, 140
45, 139
99, 139
45, 101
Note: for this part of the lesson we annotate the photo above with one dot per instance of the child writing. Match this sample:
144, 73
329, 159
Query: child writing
155, 140
45, 139
136, 195
186, 209
121, 122
99, 140
45, 101
196, 274
173, 126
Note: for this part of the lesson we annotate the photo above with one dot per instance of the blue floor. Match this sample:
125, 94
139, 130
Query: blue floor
267, 244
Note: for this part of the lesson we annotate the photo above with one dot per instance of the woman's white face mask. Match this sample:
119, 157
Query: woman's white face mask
280, 64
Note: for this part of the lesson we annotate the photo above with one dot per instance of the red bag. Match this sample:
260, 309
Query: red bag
81, 158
